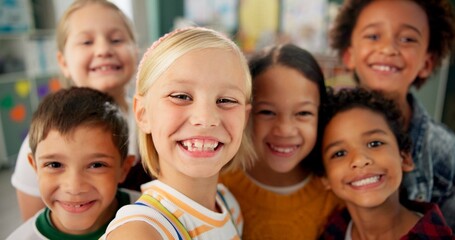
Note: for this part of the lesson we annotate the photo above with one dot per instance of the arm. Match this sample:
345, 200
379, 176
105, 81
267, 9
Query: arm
134, 230
28, 205
25, 181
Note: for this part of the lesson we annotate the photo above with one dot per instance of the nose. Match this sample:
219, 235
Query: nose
103, 48
361, 160
389, 47
284, 127
74, 183
205, 114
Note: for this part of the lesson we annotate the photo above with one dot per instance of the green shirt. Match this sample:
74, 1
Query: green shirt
44, 224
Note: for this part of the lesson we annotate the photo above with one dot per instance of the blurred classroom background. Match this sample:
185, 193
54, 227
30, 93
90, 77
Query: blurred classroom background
29, 70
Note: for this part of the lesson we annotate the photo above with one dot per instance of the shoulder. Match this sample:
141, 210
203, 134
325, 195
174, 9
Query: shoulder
431, 224
134, 230
27, 230
227, 197
232, 177
24, 177
337, 225
139, 216
440, 133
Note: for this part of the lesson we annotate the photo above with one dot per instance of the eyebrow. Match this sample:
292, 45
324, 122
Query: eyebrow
183, 81
303, 103
407, 26
365, 134
62, 156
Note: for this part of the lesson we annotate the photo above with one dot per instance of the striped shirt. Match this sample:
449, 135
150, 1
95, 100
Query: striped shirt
200, 222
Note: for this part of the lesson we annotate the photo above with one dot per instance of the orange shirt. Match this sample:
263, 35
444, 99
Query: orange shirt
300, 215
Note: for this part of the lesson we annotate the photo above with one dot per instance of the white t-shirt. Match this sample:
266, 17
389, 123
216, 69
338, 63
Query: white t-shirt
30, 231
24, 177
200, 222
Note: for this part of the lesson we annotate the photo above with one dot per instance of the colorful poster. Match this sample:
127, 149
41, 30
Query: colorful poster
15, 114
15, 16
305, 23
258, 23
217, 14
18, 99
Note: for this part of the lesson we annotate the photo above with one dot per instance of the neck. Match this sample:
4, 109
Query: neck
262, 173
390, 220
404, 107
200, 190
120, 99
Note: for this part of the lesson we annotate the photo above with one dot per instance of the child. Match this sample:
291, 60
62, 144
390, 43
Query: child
96, 49
278, 196
391, 46
364, 166
79, 143
191, 105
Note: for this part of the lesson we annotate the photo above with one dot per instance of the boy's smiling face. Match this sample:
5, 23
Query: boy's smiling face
389, 46
78, 175
361, 156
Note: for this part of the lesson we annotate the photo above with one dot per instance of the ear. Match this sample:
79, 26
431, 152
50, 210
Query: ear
140, 113
31, 161
347, 58
427, 67
127, 164
63, 64
325, 182
407, 164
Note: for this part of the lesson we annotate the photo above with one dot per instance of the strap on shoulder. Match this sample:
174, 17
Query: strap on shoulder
148, 200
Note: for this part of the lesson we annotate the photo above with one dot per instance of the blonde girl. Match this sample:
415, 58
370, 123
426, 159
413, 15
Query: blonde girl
96, 49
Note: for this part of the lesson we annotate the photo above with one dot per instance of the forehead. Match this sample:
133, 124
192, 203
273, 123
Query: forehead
278, 81
400, 12
210, 66
357, 120
94, 16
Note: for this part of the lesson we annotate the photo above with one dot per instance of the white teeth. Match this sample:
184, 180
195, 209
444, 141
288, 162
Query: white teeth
105, 68
365, 181
282, 149
199, 145
384, 68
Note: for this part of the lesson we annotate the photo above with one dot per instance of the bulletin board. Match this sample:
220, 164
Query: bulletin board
15, 16
19, 97
15, 113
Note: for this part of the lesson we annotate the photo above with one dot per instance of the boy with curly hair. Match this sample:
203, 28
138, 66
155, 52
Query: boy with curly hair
364, 166
394, 45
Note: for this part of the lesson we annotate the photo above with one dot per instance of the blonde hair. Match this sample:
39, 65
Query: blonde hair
63, 24
160, 56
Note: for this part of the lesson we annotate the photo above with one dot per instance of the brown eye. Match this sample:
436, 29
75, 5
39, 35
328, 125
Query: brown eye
374, 144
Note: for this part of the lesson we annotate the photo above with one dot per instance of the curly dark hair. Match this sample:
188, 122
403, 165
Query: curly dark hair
301, 60
347, 99
441, 22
